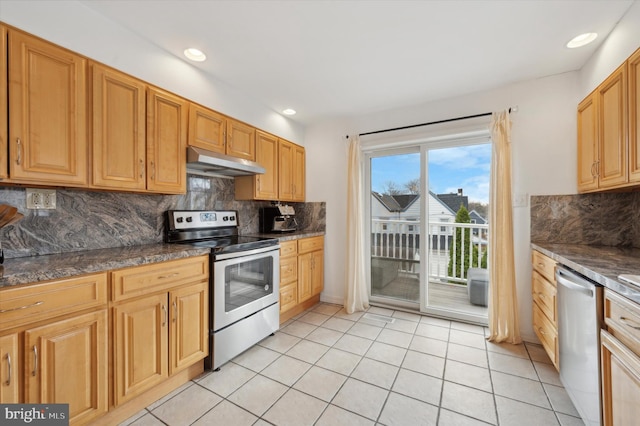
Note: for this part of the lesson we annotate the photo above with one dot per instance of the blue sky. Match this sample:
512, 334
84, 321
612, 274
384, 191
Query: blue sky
465, 167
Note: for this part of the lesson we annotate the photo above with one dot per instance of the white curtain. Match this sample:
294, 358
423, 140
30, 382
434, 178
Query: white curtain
356, 294
504, 325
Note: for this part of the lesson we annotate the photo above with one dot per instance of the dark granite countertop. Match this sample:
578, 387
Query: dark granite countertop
25, 270
288, 236
600, 263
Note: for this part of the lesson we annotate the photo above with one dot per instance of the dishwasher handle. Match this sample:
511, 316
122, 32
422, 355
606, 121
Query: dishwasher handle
575, 282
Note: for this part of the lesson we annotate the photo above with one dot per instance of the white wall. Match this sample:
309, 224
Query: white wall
544, 162
78, 28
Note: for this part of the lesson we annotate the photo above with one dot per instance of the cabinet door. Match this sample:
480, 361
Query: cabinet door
587, 144
47, 100
317, 272
140, 346
66, 362
620, 383
118, 117
612, 129
4, 100
241, 140
305, 277
9, 370
206, 129
285, 170
634, 116
167, 117
189, 325
298, 168
267, 157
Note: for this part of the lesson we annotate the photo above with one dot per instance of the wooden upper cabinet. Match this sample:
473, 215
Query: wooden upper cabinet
47, 100
241, 140
298, 174
119, 138
167, 117
612, 129
285, 170
4, 126
587, 144
67, 362
264, 186
634, 116
206, 129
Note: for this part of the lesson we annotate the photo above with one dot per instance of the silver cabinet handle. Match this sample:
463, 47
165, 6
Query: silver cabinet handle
8, 382
141, 168
153, 171
2, 311
19, 153
629, 323
35, 361
163, 277
175, 311
164, 311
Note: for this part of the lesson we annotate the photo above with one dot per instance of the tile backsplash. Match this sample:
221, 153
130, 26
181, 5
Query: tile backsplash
86, 220
608, 219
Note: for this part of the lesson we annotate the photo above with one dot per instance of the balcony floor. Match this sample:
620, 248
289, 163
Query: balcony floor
446, 296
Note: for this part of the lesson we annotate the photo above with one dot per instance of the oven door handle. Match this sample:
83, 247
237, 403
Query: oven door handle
244, 253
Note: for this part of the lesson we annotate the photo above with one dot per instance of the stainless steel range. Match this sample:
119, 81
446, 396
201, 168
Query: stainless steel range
244, 279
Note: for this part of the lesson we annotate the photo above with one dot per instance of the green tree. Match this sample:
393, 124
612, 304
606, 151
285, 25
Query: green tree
461, 245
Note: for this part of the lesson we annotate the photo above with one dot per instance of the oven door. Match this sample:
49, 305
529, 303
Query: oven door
244, 283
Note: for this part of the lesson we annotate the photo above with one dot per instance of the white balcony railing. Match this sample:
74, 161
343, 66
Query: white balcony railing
400, 239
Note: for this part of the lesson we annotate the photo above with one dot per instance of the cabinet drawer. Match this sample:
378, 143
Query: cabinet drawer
140, 280
547, 334
544, 295
288, 248
544, 265
288, 297
28, 304
622, 318
306, 245
288, 270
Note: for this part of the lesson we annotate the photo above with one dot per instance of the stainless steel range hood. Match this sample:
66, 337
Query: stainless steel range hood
208, 163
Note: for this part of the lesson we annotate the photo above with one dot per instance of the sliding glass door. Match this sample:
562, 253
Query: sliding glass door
428, 228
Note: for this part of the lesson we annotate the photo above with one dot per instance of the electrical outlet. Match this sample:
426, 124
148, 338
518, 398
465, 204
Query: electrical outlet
41, 199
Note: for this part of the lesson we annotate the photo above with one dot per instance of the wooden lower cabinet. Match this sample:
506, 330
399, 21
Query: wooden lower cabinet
141, 340
66, 362
10, 367
189, 326
543, 293
301, 275
620, 382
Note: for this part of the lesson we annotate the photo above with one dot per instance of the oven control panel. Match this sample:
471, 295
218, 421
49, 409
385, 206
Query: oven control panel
188, 219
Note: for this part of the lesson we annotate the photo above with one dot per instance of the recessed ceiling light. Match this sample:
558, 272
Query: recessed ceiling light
289, 111
195, 54
581, 40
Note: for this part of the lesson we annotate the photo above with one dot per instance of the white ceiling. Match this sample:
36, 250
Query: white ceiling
349, 58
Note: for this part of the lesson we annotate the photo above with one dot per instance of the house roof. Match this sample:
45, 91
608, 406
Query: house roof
398, 202
454, 201
479, 219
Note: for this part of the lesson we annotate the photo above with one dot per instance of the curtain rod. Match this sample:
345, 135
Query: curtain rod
484, 114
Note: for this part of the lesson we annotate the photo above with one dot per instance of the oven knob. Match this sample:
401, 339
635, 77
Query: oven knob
179, 220
232, 218
225, 218
189, 219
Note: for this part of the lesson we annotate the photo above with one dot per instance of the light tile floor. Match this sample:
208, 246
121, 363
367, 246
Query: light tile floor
326, 367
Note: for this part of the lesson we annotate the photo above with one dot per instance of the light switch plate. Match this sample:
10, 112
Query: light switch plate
41, 199
520, 200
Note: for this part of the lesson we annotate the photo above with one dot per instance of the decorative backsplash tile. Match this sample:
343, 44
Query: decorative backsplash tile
86, 220
607, 219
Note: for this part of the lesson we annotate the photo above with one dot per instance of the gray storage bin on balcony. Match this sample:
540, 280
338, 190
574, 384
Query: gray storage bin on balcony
478, 286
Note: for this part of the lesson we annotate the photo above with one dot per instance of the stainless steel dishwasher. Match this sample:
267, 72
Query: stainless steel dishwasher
579, 323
